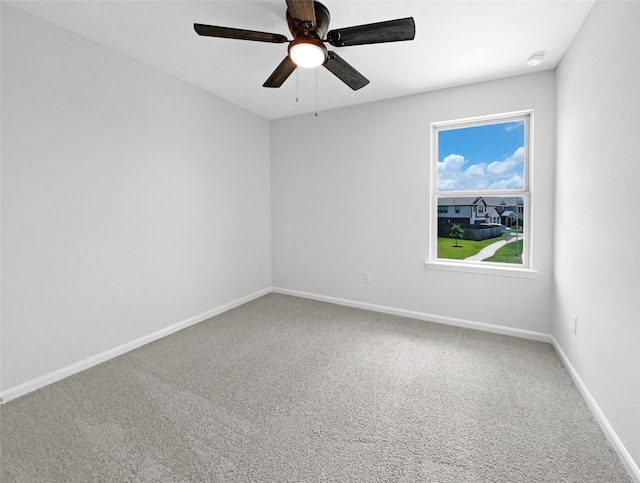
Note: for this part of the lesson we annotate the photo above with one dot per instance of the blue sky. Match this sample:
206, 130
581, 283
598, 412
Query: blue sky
481, 157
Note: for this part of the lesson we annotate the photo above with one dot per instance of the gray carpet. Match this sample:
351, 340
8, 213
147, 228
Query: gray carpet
286, 389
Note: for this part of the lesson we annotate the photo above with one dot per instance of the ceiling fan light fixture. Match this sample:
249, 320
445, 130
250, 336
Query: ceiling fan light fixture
307, 52
308, 22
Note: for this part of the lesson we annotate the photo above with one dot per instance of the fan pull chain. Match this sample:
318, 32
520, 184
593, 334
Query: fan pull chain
297, 85
316, 113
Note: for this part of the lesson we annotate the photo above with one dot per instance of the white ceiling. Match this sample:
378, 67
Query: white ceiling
456, 43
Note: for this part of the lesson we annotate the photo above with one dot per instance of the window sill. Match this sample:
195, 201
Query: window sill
482, 268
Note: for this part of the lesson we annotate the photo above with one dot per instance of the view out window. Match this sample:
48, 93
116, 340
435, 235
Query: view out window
481, 167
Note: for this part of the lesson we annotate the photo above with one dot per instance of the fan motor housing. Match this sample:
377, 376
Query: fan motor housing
300, 28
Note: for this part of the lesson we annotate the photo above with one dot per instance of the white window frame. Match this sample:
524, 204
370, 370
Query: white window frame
519, 270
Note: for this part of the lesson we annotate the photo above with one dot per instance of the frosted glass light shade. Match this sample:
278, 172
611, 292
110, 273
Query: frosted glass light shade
307, 54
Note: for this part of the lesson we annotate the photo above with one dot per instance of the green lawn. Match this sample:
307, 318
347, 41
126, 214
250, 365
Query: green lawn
507, 254
466, 248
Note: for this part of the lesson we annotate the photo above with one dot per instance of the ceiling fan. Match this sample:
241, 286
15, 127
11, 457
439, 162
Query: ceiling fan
308, 22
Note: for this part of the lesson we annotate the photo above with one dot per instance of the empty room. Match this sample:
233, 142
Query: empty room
298, 241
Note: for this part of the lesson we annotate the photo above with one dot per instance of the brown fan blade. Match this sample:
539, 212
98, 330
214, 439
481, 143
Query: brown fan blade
281, 74
374, 33
343, 71
304, 11
240, 34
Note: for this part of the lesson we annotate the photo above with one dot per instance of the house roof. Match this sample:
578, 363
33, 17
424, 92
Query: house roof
490, 201
503, 200
457, 201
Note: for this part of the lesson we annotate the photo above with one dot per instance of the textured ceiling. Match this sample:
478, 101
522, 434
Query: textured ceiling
456, 43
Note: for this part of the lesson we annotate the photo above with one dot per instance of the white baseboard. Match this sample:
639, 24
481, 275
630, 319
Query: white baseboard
29, 386
50, 378
624, 455
440, 319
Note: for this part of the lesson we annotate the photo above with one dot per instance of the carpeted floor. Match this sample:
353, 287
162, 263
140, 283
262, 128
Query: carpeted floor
287, 389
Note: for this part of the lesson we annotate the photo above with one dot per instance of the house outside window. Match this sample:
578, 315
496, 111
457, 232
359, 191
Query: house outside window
480, 167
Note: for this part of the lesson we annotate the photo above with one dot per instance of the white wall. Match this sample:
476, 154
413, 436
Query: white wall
130, 201
597, 245
350, 193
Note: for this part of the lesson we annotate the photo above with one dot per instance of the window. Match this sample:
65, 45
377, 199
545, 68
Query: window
481, 167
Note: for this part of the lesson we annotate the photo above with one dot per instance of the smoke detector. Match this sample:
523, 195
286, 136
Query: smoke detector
536, 58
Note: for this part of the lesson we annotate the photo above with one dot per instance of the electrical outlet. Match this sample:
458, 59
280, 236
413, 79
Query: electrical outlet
574, 322
367, 277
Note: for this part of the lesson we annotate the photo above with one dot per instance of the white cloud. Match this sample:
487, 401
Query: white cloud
451, 164
513, 125
508, 165
477, 169
512, 183
502, 174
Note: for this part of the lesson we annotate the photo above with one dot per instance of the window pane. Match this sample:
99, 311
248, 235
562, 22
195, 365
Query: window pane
487, 157
486, 228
